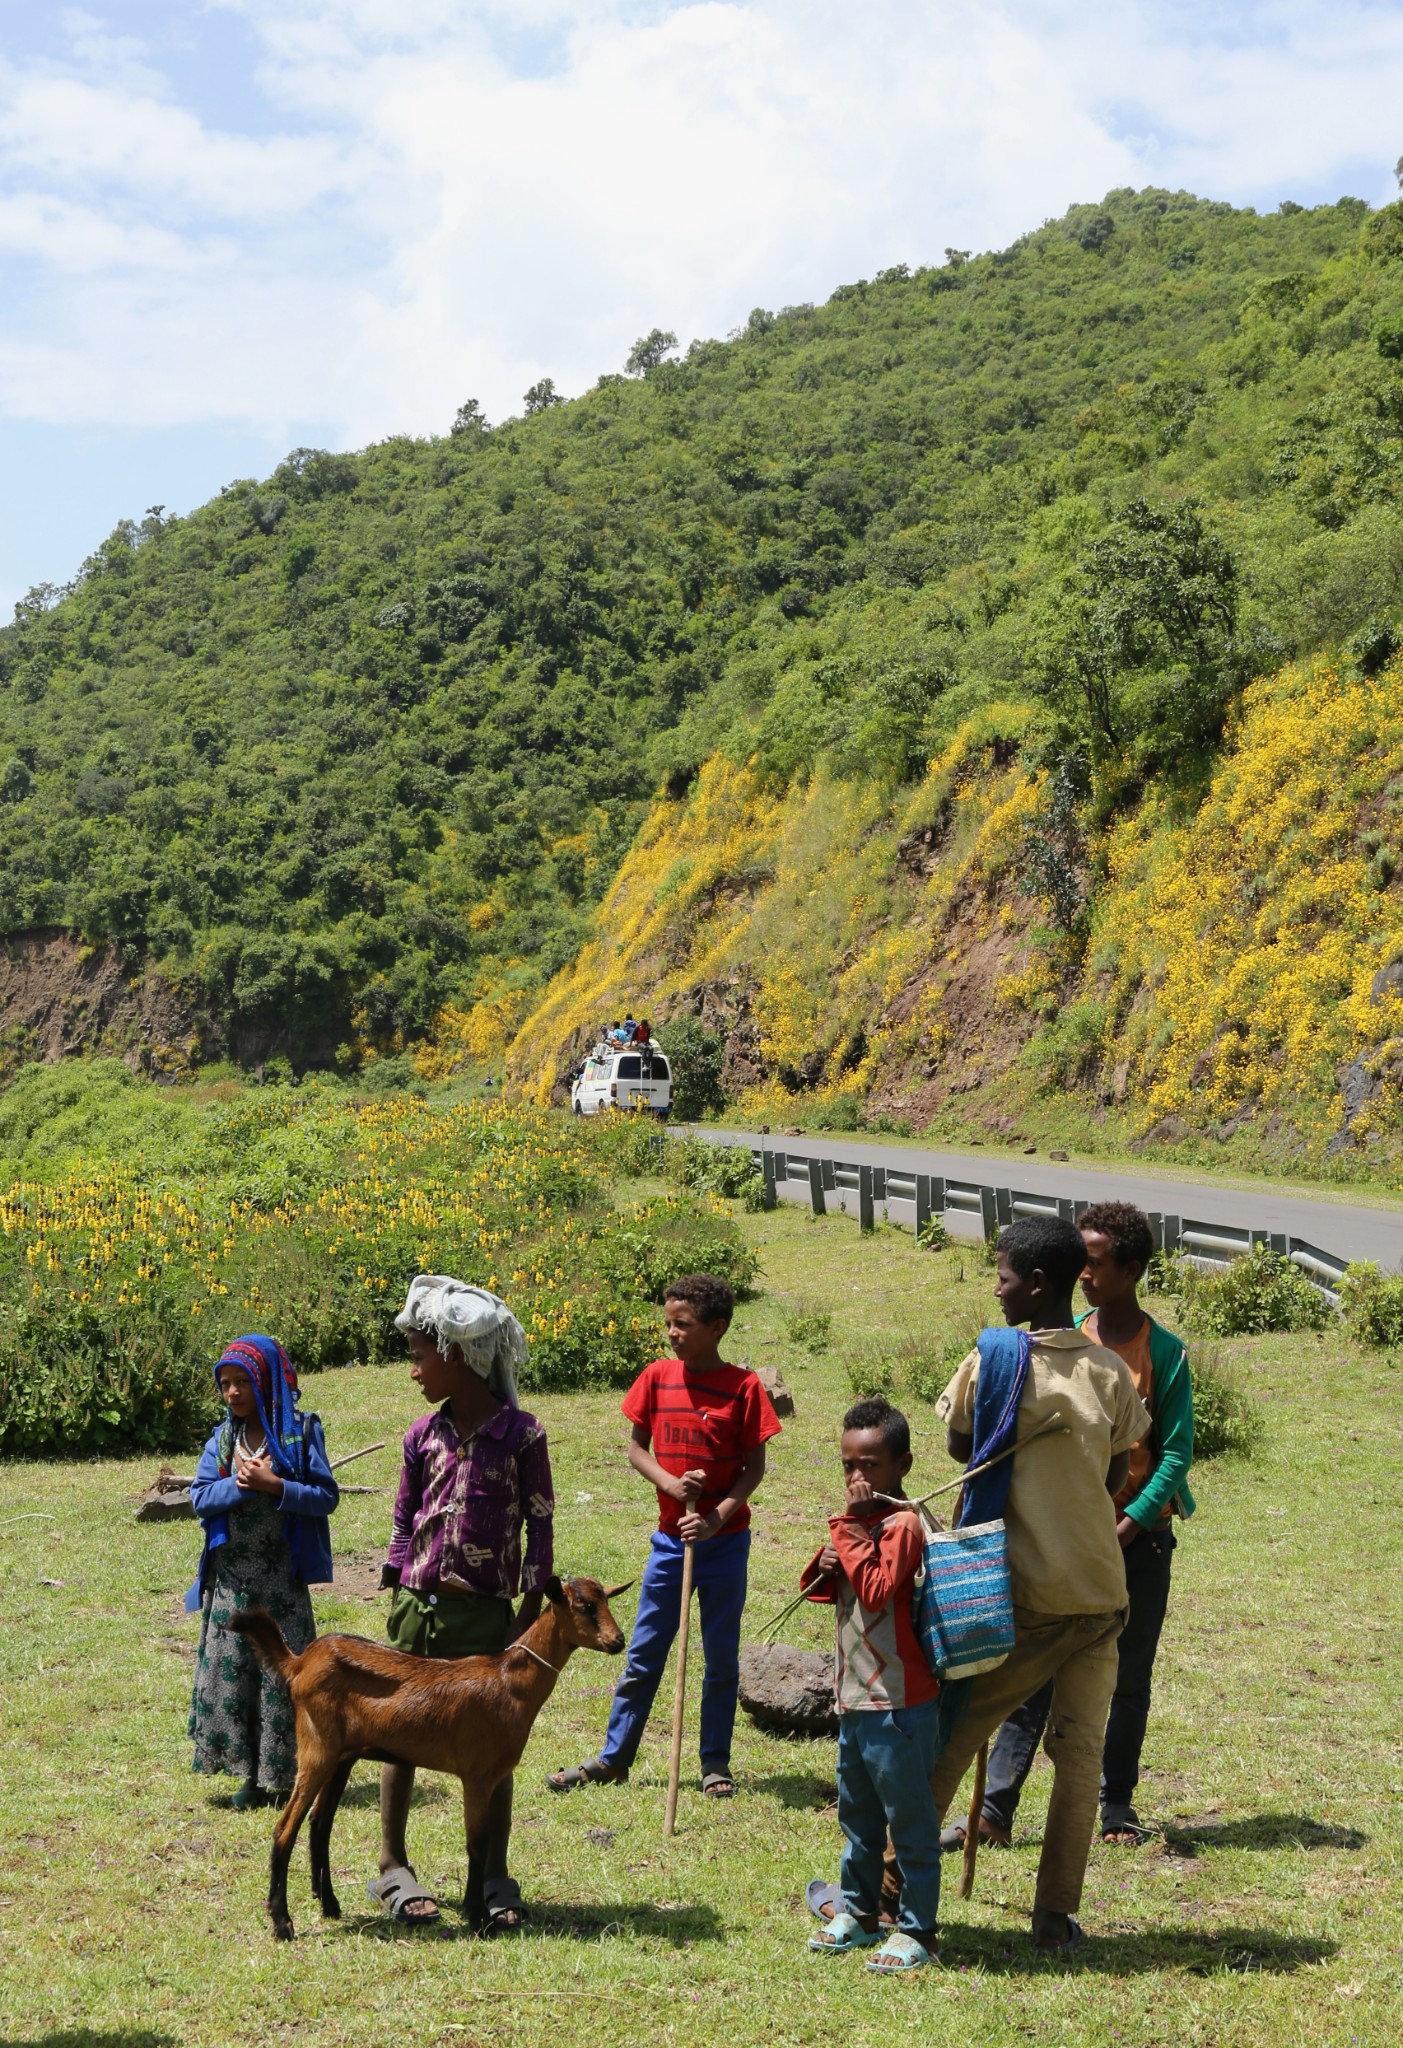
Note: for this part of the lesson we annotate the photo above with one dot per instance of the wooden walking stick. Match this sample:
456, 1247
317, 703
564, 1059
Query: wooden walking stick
976, 1814
679, 1698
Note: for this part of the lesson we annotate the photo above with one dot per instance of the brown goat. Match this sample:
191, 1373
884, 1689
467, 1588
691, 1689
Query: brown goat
467, 1715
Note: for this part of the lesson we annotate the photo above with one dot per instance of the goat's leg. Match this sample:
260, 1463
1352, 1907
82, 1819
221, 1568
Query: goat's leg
310, 1780
319, 1838
477, 1807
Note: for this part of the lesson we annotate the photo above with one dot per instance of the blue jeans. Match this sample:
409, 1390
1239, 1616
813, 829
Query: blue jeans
719, 1575
885, 1760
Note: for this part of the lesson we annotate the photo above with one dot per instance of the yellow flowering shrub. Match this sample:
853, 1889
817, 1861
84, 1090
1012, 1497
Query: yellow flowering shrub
1242, 942
798, 897
314, 1216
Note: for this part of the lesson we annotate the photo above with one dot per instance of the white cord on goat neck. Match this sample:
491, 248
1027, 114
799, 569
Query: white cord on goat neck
538, 1657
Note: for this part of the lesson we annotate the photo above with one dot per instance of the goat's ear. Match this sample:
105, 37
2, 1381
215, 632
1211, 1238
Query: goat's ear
613, 1592
554, 1591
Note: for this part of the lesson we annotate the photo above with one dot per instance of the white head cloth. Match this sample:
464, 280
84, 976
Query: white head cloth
451, 1312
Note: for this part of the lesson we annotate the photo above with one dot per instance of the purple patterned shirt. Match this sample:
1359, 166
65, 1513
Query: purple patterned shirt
463, 1502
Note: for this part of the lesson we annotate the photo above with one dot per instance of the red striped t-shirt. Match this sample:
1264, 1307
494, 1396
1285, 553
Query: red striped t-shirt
701, 1422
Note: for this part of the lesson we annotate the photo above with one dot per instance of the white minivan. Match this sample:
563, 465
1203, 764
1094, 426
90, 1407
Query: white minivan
625, 1079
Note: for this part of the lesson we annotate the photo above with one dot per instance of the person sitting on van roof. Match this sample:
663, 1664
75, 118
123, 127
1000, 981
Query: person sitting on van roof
643, 1035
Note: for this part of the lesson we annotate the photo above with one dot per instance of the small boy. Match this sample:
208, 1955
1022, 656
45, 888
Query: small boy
700, 1428
476, 1478
1118, 1245
888, 1699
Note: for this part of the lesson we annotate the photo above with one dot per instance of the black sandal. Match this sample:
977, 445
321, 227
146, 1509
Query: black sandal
718, 1785
1124, 1829
595, 1772
507, 1911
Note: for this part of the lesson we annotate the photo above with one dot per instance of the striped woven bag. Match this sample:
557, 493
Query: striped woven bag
963, 1606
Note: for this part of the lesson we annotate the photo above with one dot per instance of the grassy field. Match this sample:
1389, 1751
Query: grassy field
1269, 1911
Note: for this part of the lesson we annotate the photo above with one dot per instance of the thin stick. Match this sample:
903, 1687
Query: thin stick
976, 1814
679, 1698
35, 1516
901, 1500
351, 1456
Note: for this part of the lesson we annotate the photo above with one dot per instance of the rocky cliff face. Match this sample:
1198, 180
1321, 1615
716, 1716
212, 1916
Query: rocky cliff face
60, 998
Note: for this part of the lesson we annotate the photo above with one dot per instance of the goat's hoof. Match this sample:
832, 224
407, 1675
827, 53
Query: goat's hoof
331, 1907
283, 1930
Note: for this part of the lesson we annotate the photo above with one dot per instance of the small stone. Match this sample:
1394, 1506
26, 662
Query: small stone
777, 1387
1033, 1148
1054, 1155
788, 1690
600, 1838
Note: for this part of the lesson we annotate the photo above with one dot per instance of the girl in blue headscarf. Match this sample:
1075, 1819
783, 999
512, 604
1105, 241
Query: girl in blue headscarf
263, 1490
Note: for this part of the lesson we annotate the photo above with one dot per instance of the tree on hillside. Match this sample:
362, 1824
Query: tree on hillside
647, 353
542, 396
469, 419
1149, 609
696, 1056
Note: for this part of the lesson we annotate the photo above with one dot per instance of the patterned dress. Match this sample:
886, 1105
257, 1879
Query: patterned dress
241, 1718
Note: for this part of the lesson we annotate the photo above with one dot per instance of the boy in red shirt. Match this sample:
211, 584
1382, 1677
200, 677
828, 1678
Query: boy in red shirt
700, 1428
888, 1699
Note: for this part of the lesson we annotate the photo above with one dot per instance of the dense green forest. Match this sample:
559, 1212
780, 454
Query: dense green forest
371, 736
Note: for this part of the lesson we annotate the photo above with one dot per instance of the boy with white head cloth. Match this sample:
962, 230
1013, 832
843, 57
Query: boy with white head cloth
476, 1482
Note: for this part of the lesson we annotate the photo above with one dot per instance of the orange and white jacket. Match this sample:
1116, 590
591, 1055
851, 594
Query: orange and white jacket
878, 1662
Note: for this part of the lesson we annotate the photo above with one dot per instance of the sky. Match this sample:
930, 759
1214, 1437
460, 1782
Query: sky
233, 227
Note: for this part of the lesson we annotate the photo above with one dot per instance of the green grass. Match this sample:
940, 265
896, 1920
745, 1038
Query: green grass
1268, 1913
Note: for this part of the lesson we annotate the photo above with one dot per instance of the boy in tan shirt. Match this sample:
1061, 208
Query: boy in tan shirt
1064, 1557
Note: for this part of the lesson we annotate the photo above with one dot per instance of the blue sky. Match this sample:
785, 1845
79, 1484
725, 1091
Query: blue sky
231, 227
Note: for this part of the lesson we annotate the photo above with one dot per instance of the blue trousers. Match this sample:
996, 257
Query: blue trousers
719, 1575
885, 1760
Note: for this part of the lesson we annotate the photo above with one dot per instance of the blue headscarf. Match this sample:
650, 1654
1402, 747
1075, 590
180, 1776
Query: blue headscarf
270, 1372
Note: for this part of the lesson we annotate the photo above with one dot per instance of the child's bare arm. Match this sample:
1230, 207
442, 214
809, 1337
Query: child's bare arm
1116, 1472
641, 1458
960, 1444
526, 1613
694, 1528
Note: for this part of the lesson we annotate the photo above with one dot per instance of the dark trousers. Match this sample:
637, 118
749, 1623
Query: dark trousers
1147, 1570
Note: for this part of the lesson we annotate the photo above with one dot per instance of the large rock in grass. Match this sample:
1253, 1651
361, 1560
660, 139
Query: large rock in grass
777, 1387
788, 1690
167, 1499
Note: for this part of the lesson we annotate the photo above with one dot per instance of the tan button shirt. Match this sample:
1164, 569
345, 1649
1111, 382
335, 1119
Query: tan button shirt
1063, 1555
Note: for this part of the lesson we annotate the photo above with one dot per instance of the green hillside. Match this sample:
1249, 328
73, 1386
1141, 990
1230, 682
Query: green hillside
365, 742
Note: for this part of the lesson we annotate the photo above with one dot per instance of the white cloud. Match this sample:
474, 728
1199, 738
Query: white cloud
453, 199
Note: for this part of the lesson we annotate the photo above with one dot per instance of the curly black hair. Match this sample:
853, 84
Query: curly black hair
1128, 1228
1048, 1244
877, 1412
708, 1293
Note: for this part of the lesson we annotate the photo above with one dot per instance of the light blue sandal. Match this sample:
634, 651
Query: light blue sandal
898, 1954
841, 1935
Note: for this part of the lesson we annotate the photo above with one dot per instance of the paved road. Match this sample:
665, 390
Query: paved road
1347, 1230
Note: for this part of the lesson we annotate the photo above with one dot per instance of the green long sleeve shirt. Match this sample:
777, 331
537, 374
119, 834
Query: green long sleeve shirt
1171, 1406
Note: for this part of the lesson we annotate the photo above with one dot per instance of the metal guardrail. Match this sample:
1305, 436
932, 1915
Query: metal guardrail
851, 1188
